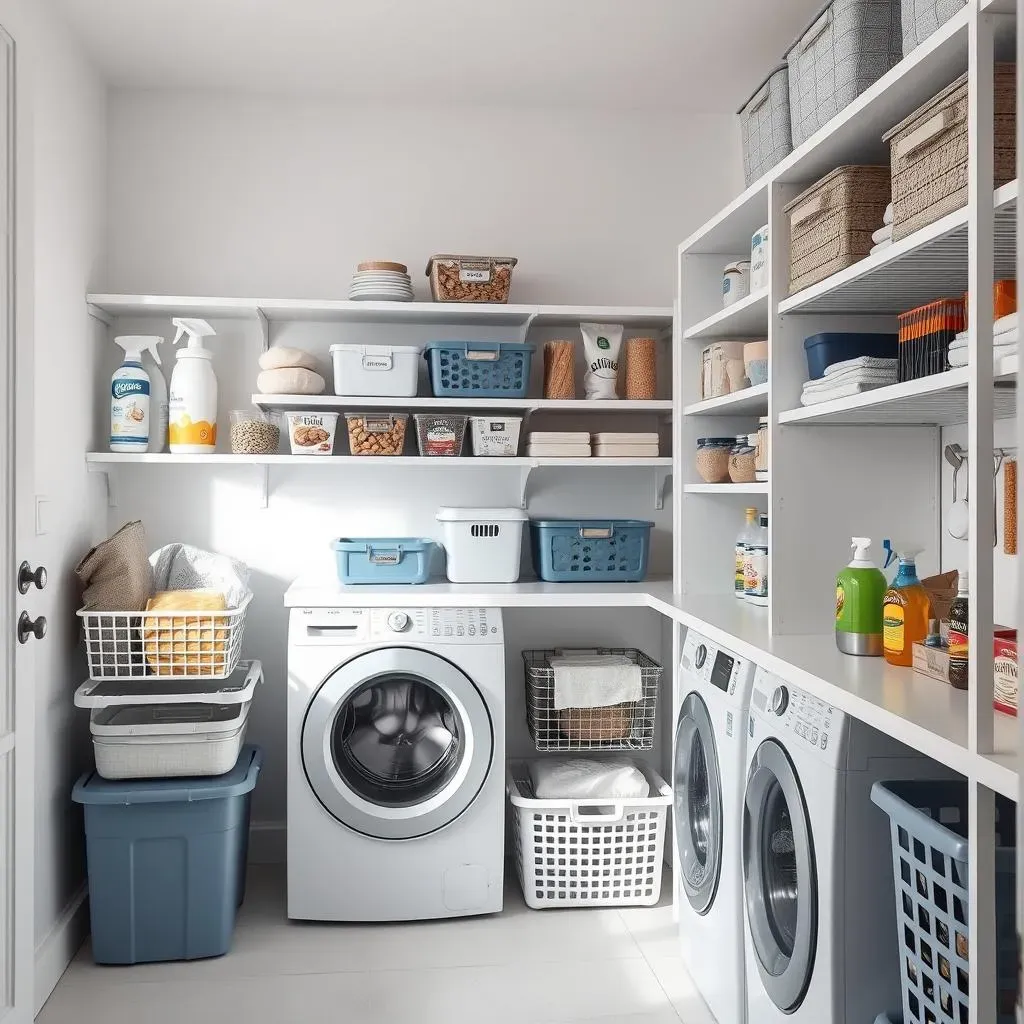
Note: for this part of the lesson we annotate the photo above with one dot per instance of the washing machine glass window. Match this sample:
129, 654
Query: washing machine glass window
780, 880
698, 804
397, 743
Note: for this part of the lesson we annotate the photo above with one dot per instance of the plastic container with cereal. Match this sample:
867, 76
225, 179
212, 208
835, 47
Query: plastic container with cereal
470, 278
376, 433
312, 433
440, 434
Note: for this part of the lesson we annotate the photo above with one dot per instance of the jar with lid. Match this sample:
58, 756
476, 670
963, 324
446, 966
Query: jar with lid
713, 458
741, 459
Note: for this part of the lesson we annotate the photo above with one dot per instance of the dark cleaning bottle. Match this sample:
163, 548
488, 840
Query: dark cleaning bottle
958, 636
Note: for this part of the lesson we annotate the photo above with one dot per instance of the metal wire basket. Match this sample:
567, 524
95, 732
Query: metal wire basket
163, 644
628, 726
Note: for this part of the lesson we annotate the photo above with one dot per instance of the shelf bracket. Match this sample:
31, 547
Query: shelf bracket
261, 319
662, 475
263, 486
524, 479
108, 482
526, 329
99, 314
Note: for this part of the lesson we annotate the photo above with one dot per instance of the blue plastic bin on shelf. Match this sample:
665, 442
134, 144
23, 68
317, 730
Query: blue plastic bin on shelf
383, 559
590, 550
928, 826
478, 369
166, 861
823, 350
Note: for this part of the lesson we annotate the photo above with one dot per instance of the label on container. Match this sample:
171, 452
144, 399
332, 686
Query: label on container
756, 572
1005, 671
440, 440
377, 362
129, 410
740, 574
378, 424
894, 616
475, 273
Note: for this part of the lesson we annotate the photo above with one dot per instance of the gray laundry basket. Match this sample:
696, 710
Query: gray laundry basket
923, 17
849, 45
765, 125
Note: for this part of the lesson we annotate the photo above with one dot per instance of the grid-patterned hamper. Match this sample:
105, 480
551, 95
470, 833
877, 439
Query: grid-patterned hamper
478, 369
590, 550
628, 726
832, 222
929, 152
572, 853
920, 18
930, 865
849, 46
765, 125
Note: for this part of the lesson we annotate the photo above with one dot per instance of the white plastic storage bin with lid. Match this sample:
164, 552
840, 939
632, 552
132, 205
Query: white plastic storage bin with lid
376, 371
483, 544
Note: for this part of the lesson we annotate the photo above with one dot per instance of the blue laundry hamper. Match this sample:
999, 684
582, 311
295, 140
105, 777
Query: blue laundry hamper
368, 560
928, 825
166, 860
478, 369
590, 550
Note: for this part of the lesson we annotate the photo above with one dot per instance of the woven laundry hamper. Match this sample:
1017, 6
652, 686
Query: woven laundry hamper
848, 46
920, 18
929, 152
765, 125
832, 222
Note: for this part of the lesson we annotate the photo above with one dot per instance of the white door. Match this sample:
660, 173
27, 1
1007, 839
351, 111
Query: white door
17, 538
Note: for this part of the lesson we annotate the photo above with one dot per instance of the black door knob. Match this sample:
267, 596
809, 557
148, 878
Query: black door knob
28, 578
28, 626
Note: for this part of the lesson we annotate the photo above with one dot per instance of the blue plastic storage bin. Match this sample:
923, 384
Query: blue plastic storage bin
166, 860
928, 826
478, 369
835, 346
590, 550
383, 559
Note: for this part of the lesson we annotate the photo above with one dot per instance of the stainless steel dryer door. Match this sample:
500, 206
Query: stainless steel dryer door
697, 785
397, 743
780, 880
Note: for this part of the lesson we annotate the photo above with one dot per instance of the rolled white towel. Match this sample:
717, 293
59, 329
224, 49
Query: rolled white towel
887, 219
884, 232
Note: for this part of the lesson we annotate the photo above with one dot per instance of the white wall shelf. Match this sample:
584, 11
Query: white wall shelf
730, 488
751, 401
525, 405
746, 318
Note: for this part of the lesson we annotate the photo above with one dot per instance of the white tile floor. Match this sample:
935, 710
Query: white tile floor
519, 967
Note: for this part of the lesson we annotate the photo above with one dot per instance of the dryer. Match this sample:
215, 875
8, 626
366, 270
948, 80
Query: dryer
817, 866
396, 763
708, 781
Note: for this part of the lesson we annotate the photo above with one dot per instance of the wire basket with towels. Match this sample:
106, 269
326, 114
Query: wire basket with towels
603, 698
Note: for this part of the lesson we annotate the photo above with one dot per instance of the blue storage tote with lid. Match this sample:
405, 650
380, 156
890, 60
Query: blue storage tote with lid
831, 347
590, 550
166, 861
366, 560
478, 369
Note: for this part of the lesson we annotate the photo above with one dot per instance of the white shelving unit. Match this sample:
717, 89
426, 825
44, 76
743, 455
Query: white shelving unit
753, 400
741, 318
662, 407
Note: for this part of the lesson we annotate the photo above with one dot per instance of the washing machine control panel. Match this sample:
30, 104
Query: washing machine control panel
794, 712
706, 663
437, 625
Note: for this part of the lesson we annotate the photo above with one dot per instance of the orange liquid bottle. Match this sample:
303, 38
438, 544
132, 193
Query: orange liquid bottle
905, 611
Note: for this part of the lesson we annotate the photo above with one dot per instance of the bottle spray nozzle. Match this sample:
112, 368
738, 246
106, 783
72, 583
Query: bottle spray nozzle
133, 344
195, 329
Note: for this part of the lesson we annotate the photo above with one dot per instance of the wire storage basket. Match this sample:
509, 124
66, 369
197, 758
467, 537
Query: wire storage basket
163, 644
627, 726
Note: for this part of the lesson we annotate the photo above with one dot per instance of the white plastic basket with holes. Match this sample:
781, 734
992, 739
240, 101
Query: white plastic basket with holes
483, 545
164, 644
601, 853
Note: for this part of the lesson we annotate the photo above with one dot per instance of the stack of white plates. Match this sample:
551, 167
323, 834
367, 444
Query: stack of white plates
381, 281
625, 446
559, 444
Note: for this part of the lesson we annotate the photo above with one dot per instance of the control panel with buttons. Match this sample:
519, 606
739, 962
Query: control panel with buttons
437, 625
791, 712
704, 662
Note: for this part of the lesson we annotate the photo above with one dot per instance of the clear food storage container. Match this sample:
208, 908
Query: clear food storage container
496, 435
254, 433
312, 433
470, 278
440, 433
376, 433
376, 371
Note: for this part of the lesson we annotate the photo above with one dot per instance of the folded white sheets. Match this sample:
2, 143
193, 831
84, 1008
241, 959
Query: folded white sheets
579, 778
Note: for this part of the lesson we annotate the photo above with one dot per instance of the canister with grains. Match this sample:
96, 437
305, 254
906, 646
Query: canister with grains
253, 433
641, 369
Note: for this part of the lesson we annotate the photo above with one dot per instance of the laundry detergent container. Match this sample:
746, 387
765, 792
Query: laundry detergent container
166, 860
483, 545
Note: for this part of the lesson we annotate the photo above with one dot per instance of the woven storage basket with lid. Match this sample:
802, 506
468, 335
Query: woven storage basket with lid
929, 153
832, 222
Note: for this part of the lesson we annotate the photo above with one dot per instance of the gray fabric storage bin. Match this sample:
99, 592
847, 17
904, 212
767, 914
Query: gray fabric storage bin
848, 46
922, 17
765, 126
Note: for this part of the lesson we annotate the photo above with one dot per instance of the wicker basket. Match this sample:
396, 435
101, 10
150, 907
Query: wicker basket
832, 222
929, 153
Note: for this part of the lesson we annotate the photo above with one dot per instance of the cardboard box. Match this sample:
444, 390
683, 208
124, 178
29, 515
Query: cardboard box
1004, 652
932, 662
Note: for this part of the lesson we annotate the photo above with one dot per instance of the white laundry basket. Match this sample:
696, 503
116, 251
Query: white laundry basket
572, 853
483, 544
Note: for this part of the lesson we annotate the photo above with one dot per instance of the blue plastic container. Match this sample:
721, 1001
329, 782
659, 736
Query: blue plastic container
928, 826
823, 350
590, 550
166, 861
383, 559
478, 369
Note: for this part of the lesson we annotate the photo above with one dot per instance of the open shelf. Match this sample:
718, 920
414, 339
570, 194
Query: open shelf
376, 462
746, 318
750, 401
730, 488
342, 403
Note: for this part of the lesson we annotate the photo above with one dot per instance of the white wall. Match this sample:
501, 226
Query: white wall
64, 123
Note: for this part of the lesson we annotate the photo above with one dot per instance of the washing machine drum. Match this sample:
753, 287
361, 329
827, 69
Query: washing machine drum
397, 743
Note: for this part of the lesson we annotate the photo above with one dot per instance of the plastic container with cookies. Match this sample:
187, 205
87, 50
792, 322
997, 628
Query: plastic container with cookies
312, 433
376, 433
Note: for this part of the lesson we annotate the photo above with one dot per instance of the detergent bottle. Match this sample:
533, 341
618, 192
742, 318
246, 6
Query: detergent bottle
130, 397
905, 610
193, 402
157, 394
860, 592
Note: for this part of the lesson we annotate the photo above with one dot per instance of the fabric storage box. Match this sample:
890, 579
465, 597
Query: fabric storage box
824, 350
495, 436
928, 828
832, 222
440, 434
925, 336
848, 46
368, 560
575, 853
920, 18
483, 545
166, 862
470, 278
929, 153
478, 369
376, 371
722, 370
590, 550
765, 127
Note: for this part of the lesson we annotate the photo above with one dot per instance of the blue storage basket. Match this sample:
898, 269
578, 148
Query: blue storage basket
166, 861
824, 350
478, 369
930, 865
383, 559
590, 550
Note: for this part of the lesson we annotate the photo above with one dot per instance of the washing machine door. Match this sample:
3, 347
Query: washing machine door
780, 880
397, 743
697, 792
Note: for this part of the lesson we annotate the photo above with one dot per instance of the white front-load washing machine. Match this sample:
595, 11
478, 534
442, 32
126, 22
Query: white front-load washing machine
396, 763
708, 782
817, 868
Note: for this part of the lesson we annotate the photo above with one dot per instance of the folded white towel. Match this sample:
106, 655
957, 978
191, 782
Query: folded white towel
841, 391
862, 362
595, 680
887, 219
1005, 324
883, 233
959, 357
880, 247
556, 778
854, 376
999, 341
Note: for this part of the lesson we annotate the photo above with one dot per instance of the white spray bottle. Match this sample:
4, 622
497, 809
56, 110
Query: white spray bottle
193, 403
130, 397
157, 395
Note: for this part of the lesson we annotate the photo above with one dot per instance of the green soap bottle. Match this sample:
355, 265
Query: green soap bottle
860, 593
